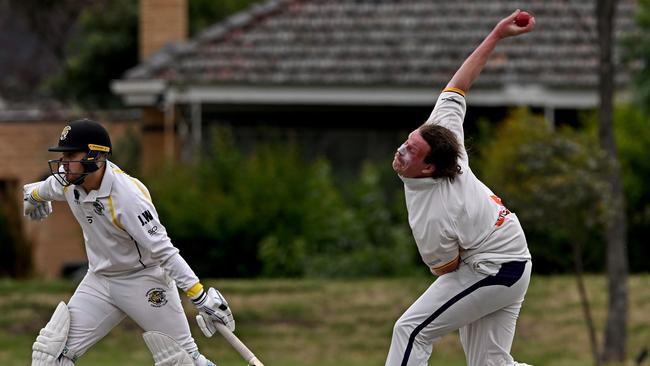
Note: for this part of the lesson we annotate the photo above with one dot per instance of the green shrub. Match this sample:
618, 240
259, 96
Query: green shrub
273, 213
633, 139
554, 182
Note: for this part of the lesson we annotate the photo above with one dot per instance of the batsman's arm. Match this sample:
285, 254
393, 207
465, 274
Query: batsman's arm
37, 197
46, 190
135, 213
474, 64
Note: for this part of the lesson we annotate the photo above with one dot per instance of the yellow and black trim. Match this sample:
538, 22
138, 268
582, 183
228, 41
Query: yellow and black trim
137, 184
454, 90
113, 216
195, 290
447, 267
35, 195
102, 148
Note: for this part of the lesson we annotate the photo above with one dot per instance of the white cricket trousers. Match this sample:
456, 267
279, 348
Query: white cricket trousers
148, 296
484, 308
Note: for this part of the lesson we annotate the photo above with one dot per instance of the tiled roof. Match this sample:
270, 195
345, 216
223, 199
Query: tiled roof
389, 43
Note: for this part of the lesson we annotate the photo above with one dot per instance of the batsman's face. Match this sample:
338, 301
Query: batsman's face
409, 157
71, 165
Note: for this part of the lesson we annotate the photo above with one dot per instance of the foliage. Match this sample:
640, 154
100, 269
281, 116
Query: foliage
288, 217
636, 50
127, 151
273, 213
632, 139
204, 13
554, 181
106, 46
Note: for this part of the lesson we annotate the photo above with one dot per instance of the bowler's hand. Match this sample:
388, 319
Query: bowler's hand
507, 27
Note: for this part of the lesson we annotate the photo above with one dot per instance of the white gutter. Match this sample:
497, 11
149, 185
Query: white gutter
150, 92
139, 92
511, 96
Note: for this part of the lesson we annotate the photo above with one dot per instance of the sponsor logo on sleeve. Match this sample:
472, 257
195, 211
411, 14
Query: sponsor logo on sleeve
153, 230
451, 99
503, 211
145, 217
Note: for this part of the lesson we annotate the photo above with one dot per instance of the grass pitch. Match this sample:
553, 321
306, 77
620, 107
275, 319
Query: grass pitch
328, 323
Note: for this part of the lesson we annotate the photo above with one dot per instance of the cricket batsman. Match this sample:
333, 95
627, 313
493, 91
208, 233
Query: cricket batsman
133, 267
464, 233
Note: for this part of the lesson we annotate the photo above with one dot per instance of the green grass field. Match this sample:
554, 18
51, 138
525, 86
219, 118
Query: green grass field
328, 323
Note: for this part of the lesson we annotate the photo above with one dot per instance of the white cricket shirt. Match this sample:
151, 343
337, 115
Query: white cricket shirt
121, 229
462, 217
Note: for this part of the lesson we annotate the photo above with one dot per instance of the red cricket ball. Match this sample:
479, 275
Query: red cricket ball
522, 19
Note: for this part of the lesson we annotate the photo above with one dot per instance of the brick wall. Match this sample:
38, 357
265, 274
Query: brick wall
161, 21
23, 147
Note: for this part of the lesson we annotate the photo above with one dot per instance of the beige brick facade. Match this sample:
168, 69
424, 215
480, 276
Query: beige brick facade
161, 21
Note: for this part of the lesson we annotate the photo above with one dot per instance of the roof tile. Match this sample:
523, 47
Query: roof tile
410, 42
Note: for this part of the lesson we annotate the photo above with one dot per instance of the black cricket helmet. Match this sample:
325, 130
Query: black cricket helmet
80, 135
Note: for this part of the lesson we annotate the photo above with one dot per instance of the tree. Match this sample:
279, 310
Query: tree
554, 181
104, 48
52, 20
96, 41
637, 54
616, 224
204, 13
36, 32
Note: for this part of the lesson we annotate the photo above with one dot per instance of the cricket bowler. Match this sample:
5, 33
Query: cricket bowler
464, 233
133, 267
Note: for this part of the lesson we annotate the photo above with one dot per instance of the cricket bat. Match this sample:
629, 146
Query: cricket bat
238, 345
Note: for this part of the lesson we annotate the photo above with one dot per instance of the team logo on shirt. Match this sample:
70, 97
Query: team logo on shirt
157, 297
98, 207
76, 196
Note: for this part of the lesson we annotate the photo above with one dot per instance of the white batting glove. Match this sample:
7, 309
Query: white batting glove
212, 307
36, 210
205, 324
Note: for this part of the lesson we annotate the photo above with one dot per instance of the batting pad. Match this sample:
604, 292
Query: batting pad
165, 350
51, 339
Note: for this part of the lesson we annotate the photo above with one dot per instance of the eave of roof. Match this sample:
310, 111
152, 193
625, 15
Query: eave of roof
152, 92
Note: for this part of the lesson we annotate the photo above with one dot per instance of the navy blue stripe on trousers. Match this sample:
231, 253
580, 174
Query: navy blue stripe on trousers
508, 275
